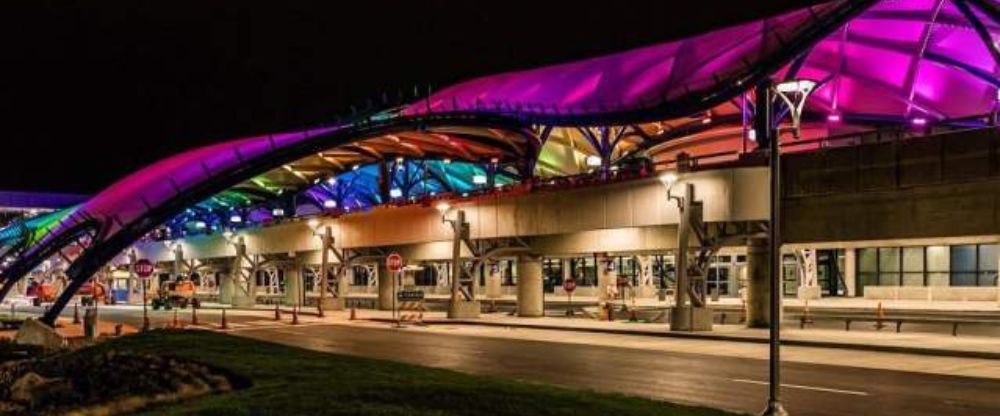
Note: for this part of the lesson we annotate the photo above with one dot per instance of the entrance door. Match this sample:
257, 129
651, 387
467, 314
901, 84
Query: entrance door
829, 272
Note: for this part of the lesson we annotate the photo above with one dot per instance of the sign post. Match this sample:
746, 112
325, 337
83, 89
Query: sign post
144, 268
569, 285
394, 262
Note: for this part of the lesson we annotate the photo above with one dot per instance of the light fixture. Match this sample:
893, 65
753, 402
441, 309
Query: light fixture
330, 203
801, 86
200, 225
465, 194
752, 134
479, 179
278, 212
313, 223
706, 120
395, 193
593, 161
833, 118
442, 207
332, 180
668, 179
495, 160
168, 243
355, 167
399, 159
235, 218
794, 93
447, 160
918, 121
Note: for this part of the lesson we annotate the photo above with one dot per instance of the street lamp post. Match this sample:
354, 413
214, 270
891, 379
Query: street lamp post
793, 93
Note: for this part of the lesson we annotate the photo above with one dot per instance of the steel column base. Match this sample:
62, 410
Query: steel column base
774, 408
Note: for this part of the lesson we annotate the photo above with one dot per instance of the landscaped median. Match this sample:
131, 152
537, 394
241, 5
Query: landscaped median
281, 380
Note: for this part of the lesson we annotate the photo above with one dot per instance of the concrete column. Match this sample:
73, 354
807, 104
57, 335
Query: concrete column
530, 301
851, 271
758, 284
605, 278
244, 293
385, 287
226, 286
293, 286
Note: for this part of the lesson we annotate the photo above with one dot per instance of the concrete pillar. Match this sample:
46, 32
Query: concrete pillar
530, 292
293, 286
385, 287
244, 293
605, 278
851, 271
226, 286
758, 284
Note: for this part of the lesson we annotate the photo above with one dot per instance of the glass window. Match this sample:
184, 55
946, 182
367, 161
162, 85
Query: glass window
963, 265
913, 266
988, 265
888, 266
867, 269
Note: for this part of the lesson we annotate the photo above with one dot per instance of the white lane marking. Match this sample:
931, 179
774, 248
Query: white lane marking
797, 386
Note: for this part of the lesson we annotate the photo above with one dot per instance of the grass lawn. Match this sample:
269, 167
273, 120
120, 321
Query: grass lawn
291, 381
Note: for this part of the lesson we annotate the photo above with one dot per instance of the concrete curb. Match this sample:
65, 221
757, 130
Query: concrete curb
934, 352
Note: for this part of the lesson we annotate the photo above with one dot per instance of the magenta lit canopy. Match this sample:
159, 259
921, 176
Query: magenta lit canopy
879, 60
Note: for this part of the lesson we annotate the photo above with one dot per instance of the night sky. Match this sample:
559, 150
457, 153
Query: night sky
92, 90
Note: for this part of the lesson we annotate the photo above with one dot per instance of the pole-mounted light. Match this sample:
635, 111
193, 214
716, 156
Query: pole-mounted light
794, 93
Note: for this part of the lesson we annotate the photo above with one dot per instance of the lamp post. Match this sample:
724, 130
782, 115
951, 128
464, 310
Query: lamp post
793, 93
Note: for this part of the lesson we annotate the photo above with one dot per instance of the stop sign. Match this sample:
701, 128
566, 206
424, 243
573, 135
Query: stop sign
569, 285
143, 268
394, 262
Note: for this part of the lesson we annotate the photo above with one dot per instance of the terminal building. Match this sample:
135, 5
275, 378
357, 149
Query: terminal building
620, 172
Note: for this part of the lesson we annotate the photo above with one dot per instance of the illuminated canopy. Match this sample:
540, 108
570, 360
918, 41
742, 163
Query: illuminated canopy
899, 61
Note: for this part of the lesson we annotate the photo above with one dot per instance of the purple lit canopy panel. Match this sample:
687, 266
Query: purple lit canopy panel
651, 79
908, 59
891, 59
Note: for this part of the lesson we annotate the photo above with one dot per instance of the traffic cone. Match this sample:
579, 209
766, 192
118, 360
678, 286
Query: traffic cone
194, 315
295, 315
76, 313
224, 325
277, 313
319, 309
353, 313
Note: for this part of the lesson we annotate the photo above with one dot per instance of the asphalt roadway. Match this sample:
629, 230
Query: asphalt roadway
737, 384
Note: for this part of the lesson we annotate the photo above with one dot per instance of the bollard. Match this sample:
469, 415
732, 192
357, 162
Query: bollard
176, 323
353, 313
76, 313
879, 316
277, 313
90, 323
225, 325
118, 330
319, 309
295, 315
194, 315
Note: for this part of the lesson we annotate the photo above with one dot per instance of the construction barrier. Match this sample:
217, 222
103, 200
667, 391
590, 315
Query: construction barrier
411, 312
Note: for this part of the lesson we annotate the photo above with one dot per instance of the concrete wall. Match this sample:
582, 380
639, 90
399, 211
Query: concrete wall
930, 187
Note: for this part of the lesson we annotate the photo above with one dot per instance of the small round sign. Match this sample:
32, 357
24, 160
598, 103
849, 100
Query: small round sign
144, 268
569, 285
394, 262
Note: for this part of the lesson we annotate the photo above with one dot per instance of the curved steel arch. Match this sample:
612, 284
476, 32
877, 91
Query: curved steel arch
121, 225
39, 253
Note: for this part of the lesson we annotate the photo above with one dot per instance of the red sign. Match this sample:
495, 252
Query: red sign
569, 285
394, 262
144, 268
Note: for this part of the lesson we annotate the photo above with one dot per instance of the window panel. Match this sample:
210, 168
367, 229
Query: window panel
963, 265
913, 259
987, 257
867, 260
888, 259
938, 259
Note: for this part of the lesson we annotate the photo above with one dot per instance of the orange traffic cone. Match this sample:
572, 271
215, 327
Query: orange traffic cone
277, 313
194, 315
225, 325
76, 313
295, 315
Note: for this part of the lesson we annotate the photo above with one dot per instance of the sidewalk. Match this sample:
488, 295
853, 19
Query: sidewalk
883, 341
